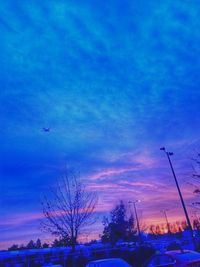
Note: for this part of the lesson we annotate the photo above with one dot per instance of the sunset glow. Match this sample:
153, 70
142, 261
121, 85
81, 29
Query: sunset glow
98, 87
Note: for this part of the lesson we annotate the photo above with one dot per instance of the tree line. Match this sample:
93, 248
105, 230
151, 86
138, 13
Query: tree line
69, 209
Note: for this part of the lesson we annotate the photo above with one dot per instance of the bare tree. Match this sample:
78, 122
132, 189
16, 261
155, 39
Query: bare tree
70, 209
196, 177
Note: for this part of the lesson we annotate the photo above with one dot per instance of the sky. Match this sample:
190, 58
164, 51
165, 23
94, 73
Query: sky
114, 81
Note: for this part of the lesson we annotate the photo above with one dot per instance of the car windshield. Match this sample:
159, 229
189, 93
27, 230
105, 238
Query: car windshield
188, 256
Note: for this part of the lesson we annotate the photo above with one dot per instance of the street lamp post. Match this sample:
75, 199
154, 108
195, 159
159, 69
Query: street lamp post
166, 219
168, 154
137, 220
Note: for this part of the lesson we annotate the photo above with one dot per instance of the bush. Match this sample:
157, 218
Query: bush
141, 255
81, 261
174, 246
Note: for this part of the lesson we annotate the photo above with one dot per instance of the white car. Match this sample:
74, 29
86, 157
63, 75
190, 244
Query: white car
112, 262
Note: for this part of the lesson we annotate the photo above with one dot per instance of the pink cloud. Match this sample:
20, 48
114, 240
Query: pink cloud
111, 172
104, 186
22, 218
138, 162
137, 184
144, 160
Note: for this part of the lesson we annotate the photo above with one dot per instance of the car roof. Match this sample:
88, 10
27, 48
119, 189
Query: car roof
110, 259
179, 251
184, 255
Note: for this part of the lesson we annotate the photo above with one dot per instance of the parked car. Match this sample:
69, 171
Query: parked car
175, 258
112, 262
52, 265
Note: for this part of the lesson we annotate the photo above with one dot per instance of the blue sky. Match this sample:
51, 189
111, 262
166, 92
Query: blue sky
114, 81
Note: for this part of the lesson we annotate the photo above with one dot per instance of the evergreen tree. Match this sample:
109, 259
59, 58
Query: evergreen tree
38, 243
120, 227
30, 245
14, 247
45, 245
61, 242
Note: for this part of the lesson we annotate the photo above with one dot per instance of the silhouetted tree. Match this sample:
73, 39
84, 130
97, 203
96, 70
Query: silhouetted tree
120, 227
38, 243
14, 247
22, 246
196, 176
45, 245
61, 242
31, 245
155, 229
196, 224
56, 243
69, 209
176, 229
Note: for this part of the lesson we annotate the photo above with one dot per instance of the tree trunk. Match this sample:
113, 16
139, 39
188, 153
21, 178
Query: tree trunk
73, 243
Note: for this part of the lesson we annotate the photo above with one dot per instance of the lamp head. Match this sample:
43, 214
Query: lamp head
162, 148
195, 203
137, 201
133, 202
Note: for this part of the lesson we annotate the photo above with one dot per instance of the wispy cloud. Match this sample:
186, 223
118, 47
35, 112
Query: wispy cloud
114, 83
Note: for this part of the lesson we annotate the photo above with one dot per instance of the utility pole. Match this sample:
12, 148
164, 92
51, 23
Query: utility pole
136, 216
